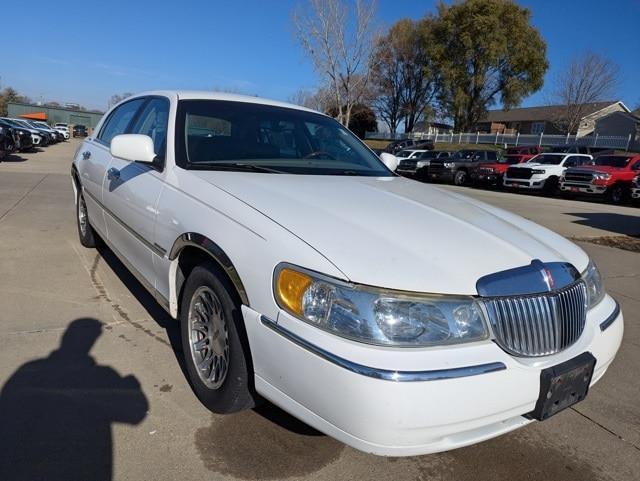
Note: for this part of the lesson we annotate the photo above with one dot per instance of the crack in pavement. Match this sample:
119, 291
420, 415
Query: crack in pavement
118, 309
19, 201
605, 428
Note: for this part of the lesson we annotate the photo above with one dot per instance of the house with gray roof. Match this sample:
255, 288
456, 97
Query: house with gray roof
546, 119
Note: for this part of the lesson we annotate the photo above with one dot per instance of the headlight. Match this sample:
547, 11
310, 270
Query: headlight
601, 176
593, 280
449, 165
538, 171
378, 316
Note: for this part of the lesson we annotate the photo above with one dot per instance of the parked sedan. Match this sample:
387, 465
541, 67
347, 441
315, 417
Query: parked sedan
280, 243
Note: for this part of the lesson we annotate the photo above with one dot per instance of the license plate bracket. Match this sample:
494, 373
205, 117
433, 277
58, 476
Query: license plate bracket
563, 385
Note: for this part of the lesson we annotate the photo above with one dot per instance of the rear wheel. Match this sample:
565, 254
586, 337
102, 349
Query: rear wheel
214, 342
85, 231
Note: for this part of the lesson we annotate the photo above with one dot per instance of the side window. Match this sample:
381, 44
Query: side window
119, 120
636, 166
153, 121
492, 156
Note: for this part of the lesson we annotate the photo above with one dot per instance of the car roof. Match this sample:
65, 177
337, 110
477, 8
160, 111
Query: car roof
209, 95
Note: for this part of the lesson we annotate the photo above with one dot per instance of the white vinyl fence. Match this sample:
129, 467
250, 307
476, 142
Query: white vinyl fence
602, 141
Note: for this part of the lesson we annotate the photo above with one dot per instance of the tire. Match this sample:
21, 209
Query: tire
225, 384
617, 194
460, 178
550, 186
88, 237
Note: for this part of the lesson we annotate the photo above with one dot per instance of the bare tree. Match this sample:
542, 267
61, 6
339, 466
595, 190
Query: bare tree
117, 98
320, 99
589, 78
339, 41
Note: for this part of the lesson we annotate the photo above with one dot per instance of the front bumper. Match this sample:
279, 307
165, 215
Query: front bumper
399, 417
534, 183
441, 176
583, 188
482, 178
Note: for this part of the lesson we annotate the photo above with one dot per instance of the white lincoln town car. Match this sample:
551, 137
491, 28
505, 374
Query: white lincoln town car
280, 242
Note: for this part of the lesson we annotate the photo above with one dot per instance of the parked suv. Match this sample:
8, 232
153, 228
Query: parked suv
543, 171
418, 165
610, 175
22, 137
79, 130
7, 141
456, 169
267, 242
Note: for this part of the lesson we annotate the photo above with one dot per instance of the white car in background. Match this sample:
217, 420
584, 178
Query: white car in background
543, 171
271, 233
63, 130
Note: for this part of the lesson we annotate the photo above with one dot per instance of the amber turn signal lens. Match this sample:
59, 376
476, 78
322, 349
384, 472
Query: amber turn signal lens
290, 288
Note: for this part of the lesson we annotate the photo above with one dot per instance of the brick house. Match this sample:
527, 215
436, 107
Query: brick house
544, 119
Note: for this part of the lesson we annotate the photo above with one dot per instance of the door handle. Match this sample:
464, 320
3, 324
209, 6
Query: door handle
113, 173
86, 154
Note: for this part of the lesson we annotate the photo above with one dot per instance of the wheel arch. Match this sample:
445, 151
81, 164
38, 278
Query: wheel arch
189, 250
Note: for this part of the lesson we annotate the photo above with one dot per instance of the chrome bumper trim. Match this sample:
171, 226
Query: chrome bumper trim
612, 317
383, 374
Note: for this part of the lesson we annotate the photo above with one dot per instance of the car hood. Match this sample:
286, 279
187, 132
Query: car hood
535, 165
599, 168
396, 233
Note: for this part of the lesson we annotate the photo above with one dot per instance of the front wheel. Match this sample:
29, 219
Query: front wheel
214, 342
617, 194
460, 178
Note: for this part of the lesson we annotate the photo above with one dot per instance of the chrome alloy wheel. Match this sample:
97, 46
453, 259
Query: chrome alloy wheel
82, 216
208, 337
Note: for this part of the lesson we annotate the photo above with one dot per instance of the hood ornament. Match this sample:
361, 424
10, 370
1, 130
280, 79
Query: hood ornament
535, 278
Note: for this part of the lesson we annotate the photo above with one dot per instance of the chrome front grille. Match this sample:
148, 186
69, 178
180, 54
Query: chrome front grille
578, 176
538, 324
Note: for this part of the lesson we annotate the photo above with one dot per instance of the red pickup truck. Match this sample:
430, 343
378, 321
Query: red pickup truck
610, 175
492, 172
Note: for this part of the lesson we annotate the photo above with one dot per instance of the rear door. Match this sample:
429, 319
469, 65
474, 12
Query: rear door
95, 157
131, 191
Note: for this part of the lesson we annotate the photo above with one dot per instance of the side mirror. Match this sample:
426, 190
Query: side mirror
133, 147
390, 160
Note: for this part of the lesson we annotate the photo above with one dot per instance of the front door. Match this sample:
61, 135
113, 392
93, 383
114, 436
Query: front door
131, 191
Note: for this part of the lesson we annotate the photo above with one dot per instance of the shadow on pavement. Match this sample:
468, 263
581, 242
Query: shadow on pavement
616, 223
56, 412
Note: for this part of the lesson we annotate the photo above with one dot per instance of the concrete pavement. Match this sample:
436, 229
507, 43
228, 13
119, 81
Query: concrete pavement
156, 428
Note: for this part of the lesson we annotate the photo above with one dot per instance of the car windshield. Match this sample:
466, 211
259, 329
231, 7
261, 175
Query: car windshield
612, 161
79, 127
429, 154
227, 135
13, 123
464, 154
549, 159
515, 151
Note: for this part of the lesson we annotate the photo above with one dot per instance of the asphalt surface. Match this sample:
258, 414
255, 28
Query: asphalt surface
100, 364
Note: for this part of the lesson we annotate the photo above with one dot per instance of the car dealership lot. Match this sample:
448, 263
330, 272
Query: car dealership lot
158, 428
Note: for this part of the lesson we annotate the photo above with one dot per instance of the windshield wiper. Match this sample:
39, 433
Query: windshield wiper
236, 167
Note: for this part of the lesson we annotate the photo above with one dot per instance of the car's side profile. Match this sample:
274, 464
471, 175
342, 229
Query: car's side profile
270, 232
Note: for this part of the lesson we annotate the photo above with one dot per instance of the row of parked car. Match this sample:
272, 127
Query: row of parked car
567, 170
22, 135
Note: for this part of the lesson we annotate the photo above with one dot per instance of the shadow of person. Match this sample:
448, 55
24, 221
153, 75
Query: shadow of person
56, 412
